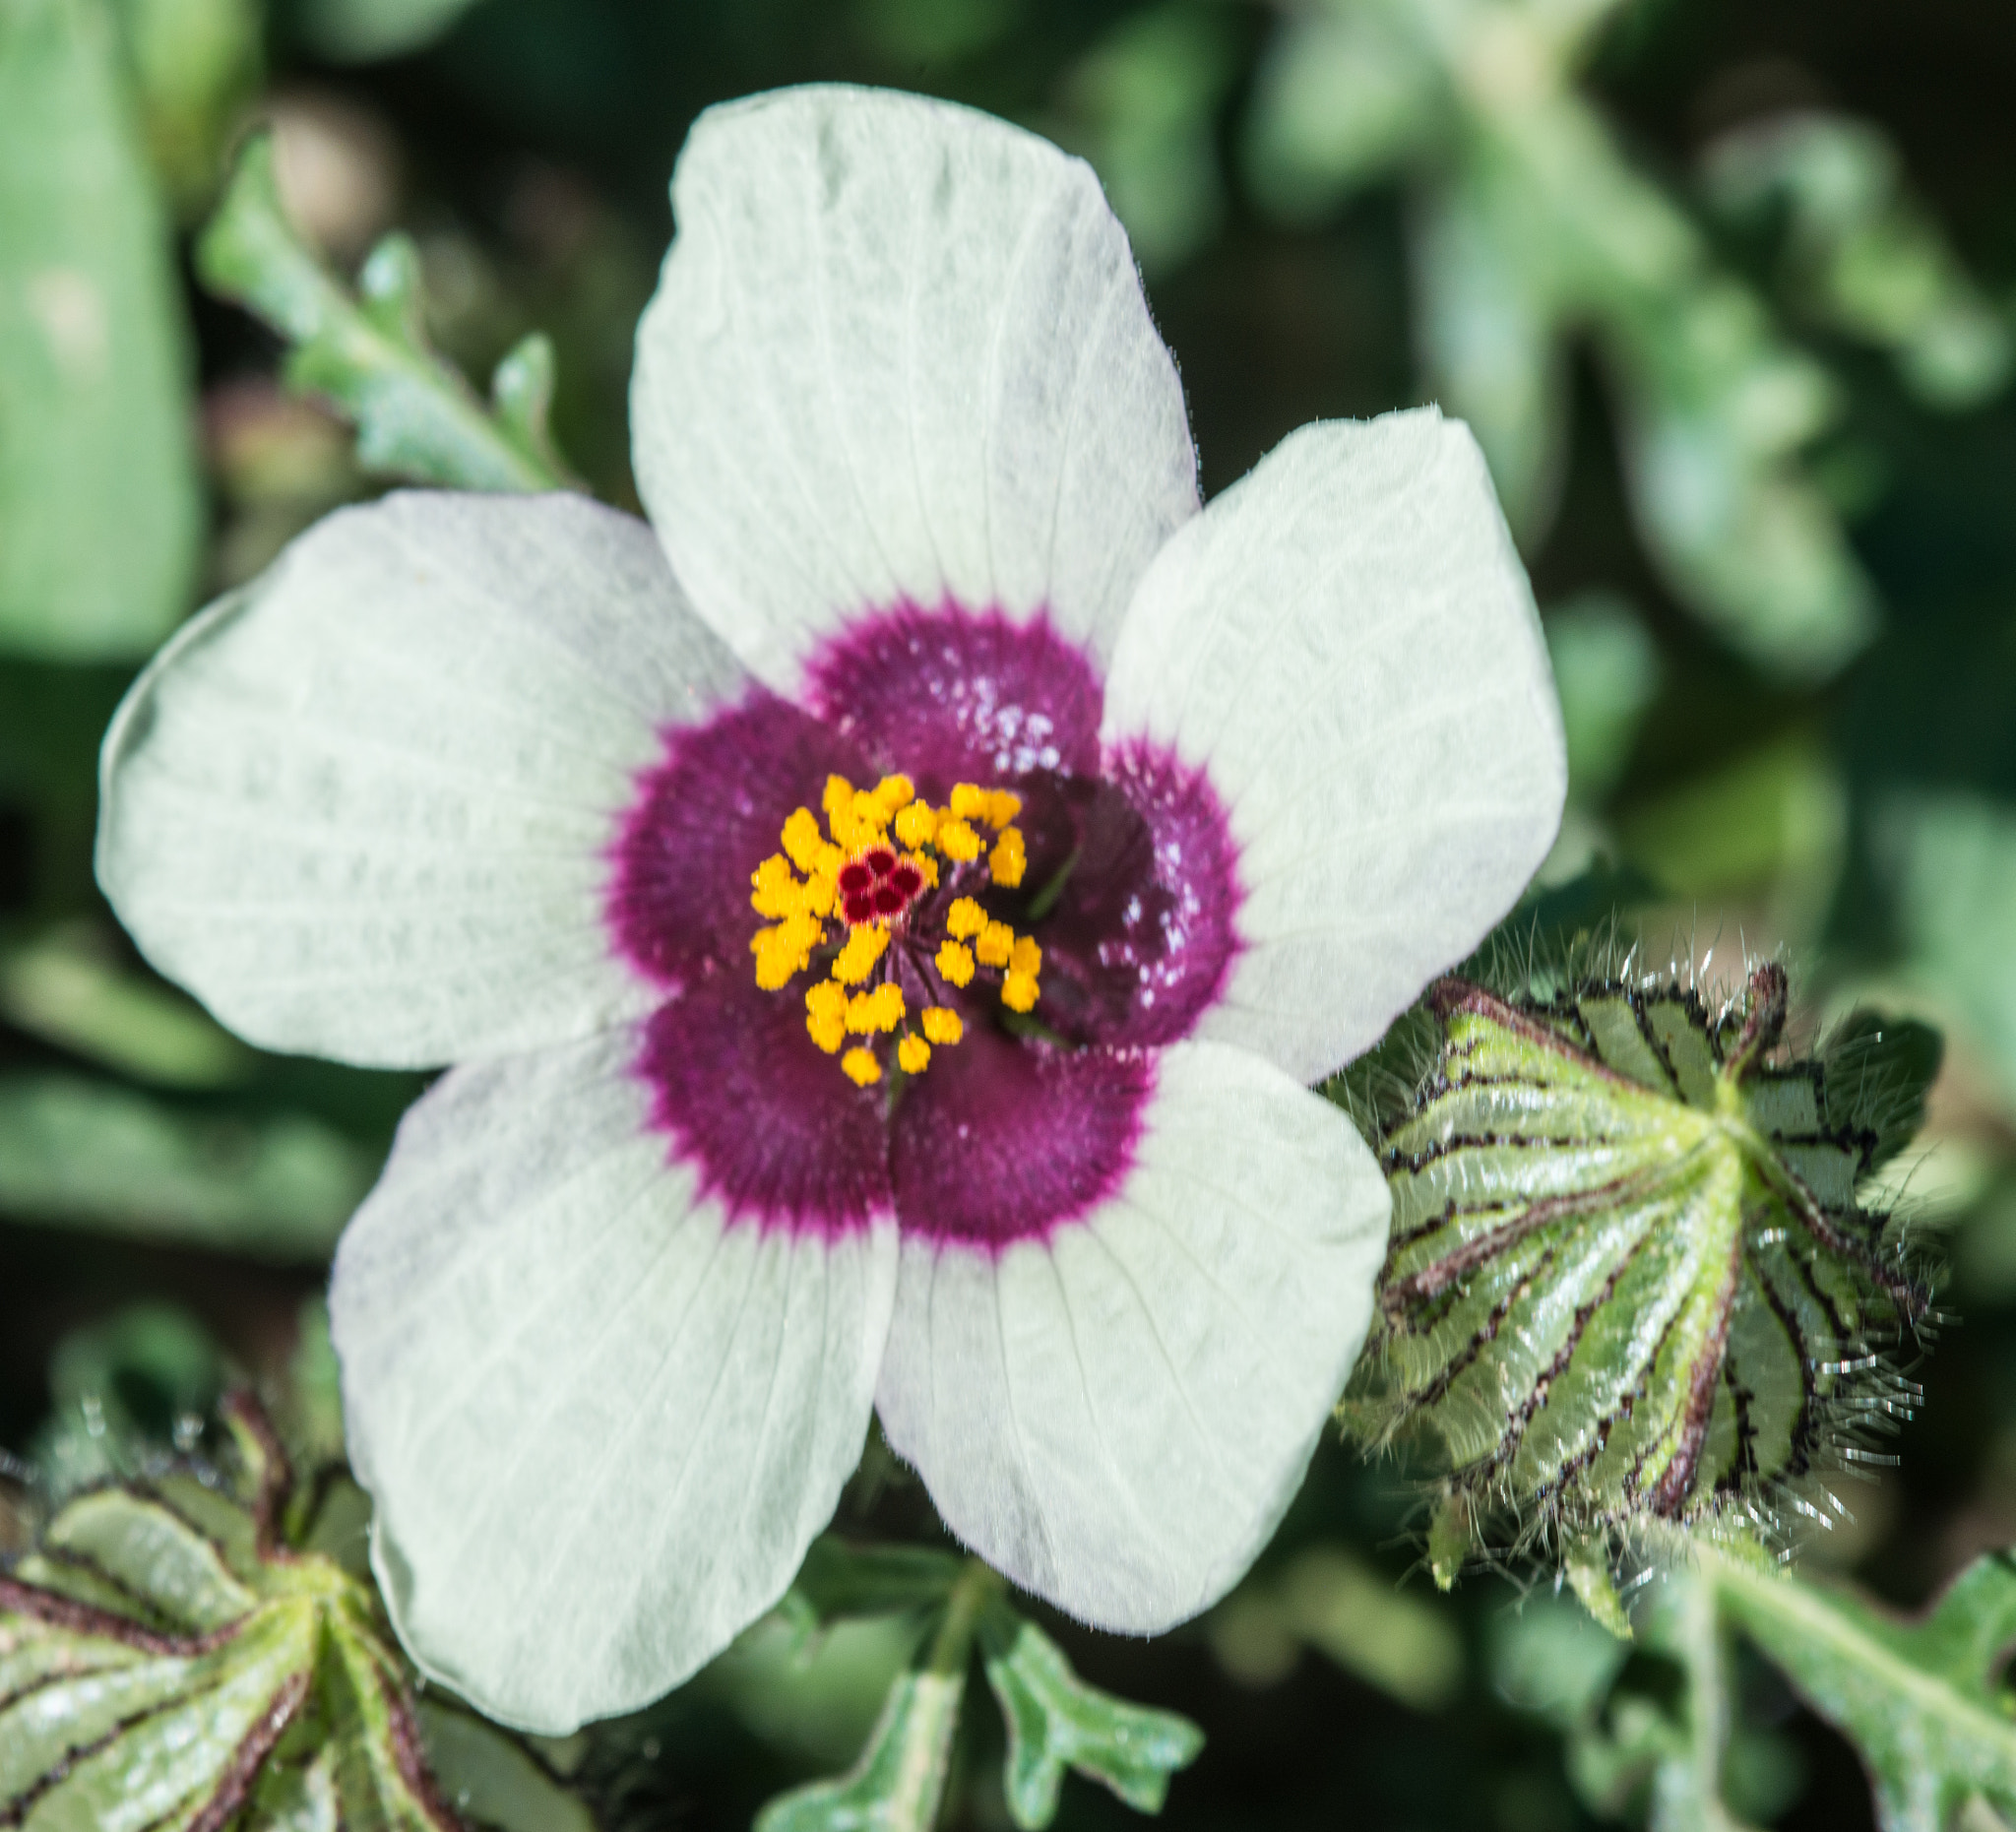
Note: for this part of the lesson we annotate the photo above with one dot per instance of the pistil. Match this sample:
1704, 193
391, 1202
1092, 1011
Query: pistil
885, 906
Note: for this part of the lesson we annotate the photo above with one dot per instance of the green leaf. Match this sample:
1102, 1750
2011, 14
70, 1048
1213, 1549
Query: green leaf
79, 1152
899, 1781
65, 990
1329, 1599
363, 31
840, 1580
165, 1662
1606, 670
96, 421
416, 416
122, 1391
1628, 1277
196, 65
493, 1778
1488, 330
1144, 106
1923, 1700
1055, 1722
1533, 229
1952, 858
1862, 256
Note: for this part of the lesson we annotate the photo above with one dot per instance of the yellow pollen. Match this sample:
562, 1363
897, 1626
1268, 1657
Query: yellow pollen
860, 1067
826, 1015
1008, 861
863, 949
915, 824
803, 839
879, 1010
956, 840
796, 892
784, 950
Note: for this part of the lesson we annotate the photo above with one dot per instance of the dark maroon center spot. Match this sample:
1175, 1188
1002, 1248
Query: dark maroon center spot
1130, 889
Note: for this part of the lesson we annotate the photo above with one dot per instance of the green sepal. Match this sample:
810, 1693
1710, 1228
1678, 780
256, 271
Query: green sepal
1628, 1277
416, 416
167, 1660
1055, 1722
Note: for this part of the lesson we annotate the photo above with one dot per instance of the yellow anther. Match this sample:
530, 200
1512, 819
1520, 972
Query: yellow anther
1019, 992
893, 791
941, 1023
838, 796
955, 962
915, 824
819, 894
1026, 957
965, 919
1003, 805
995, 944
927, 865
782, 951
956, 840
803, 839
776, 890
879, 1010
970, 802
863, 949
861, 1067
1008, 861
826, 1015
913, 1054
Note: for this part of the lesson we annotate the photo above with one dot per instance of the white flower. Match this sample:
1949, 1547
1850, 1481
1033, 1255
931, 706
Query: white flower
488, 781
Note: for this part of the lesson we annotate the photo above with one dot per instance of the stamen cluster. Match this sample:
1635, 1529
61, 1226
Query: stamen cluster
885, 906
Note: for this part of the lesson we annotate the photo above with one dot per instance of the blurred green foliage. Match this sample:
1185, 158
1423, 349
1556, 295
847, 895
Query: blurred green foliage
1726, 291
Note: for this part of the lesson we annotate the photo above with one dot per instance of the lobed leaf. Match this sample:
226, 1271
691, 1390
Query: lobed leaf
1923, 1700
416, 416
1055, 1722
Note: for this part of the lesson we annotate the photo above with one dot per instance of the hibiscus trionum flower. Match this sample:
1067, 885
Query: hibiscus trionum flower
886, 912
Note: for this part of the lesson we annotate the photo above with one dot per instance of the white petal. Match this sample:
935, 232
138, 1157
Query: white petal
1117, 1417
601, 1423
1346, 642
361, 808
900, 349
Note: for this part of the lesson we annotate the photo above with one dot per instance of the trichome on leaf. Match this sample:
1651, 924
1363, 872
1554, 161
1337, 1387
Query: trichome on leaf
1629, 1278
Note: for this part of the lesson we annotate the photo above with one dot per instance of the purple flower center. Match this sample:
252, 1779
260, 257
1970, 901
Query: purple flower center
1028, 1118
